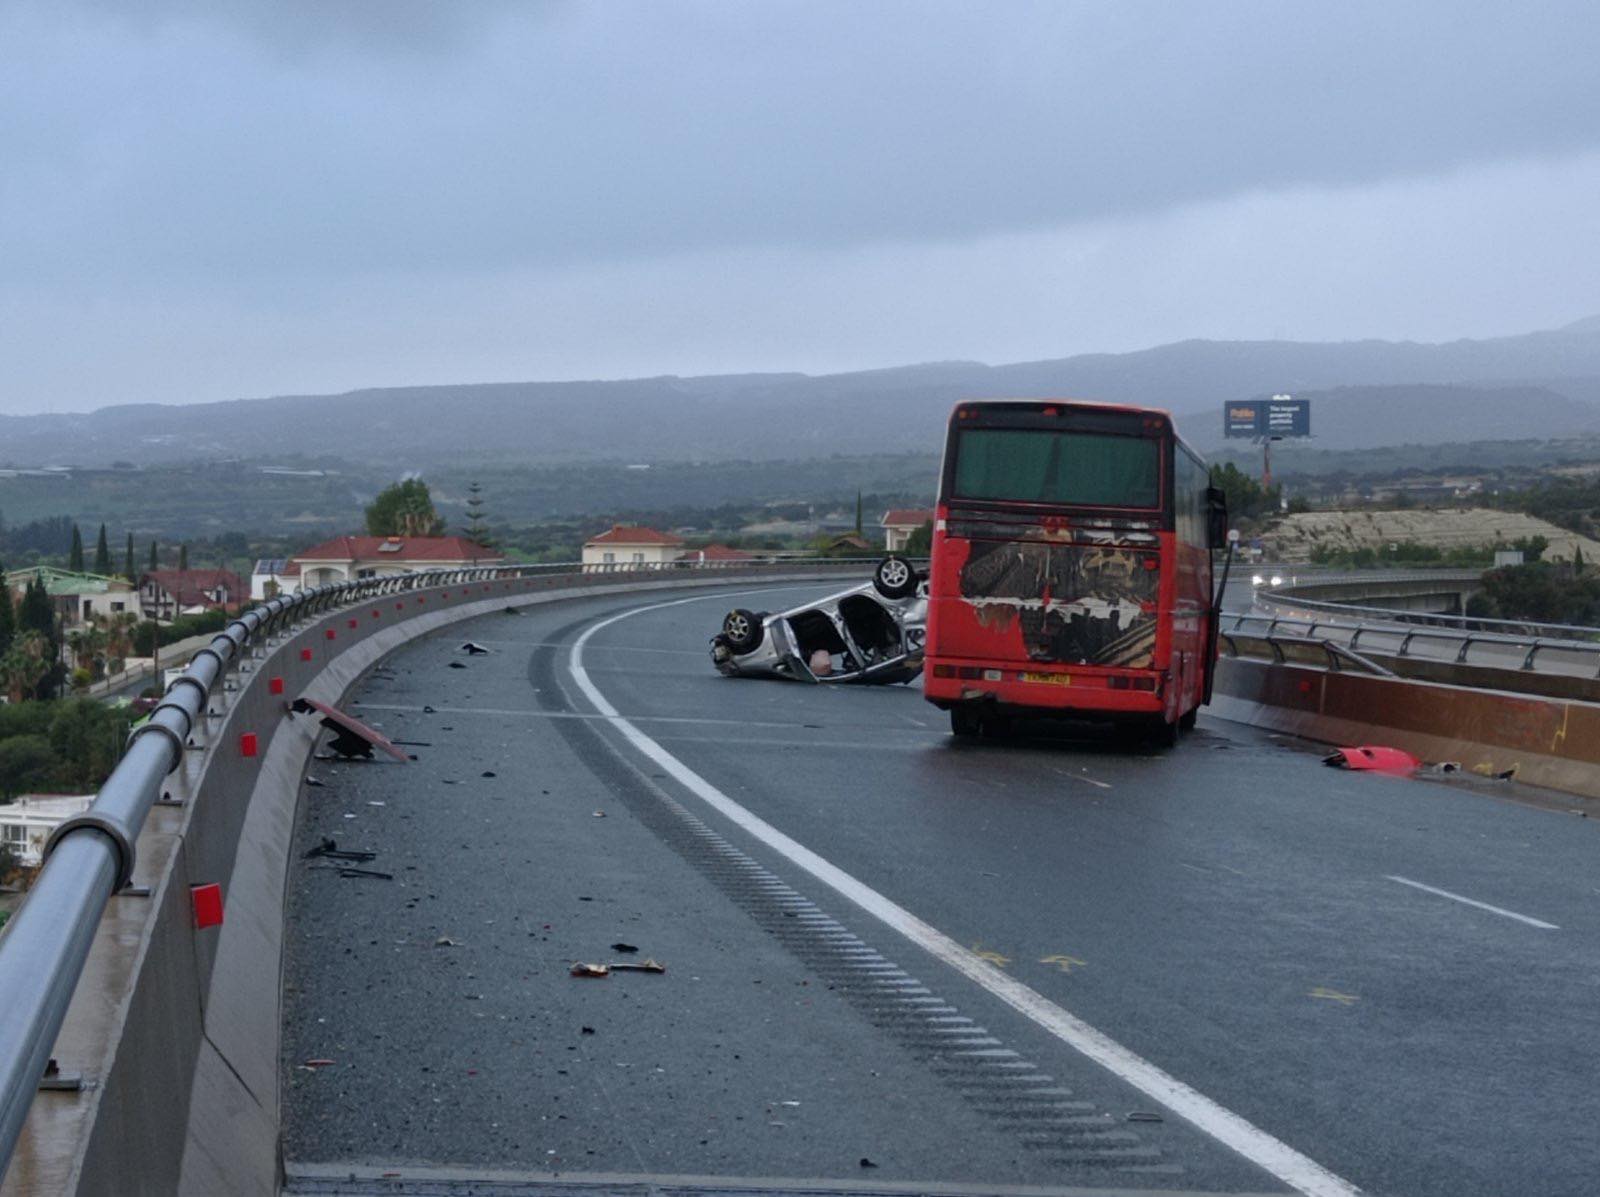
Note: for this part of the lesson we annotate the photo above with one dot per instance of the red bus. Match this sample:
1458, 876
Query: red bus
1071, 569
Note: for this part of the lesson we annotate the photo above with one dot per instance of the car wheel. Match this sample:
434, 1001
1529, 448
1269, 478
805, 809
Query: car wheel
965, 722
743, 629
895, 578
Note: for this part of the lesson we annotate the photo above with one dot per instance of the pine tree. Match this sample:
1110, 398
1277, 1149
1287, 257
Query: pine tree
183, 557
75, 554
155, 560
858, 513
127, 561
102, 555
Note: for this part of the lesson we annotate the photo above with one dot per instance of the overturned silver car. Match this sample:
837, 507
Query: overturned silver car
872, 634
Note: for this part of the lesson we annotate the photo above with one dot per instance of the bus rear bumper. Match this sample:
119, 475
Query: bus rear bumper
1087, 691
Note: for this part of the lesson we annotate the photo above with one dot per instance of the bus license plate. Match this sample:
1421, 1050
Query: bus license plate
1054, 679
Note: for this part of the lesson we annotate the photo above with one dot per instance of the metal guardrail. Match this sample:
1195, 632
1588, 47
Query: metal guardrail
44, 946
1388, 636
1286, 598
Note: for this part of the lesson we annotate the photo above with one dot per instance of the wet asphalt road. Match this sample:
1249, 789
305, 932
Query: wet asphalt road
1227, 910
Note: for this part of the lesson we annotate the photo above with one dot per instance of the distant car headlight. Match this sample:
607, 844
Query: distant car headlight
1276, 580
1256, 580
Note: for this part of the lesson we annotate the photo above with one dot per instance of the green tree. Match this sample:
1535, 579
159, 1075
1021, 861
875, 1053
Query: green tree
477, 529
183, 556
8, 616
404, 509
1246, 497
75, 553
858, 512
102, 554
920, 542
127, 562
25, 761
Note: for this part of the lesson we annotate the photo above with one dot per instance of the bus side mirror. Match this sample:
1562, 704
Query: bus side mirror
1216, 517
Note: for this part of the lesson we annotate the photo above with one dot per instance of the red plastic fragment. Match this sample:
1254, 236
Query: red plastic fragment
1374, 758
207, 900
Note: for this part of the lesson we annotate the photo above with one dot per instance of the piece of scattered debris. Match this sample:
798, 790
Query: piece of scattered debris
590, 970
599, 814
1374, 758
487, 773
444, 941
330, 848
372, 873
1145, 1116
1506, 774
473, 649
376, 802
1448, 767
586, 1030
319, 1062
427, 710
643, 966
866, 1163
623, 947
351, 737
457, 665
314, 782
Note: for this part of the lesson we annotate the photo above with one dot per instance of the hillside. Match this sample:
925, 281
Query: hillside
797, 416
1294, 538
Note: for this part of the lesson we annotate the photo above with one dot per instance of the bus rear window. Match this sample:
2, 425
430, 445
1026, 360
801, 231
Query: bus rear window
1072, 469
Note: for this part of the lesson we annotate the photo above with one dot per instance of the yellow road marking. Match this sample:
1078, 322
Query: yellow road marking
993, 957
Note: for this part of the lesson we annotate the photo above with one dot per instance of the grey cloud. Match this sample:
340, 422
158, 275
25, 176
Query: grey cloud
632, 130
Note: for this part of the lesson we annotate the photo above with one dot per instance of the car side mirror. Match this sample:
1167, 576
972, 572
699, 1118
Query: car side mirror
1216, 517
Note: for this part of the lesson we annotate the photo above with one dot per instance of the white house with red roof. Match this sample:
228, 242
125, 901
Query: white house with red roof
345, 558
625, 547
899, 524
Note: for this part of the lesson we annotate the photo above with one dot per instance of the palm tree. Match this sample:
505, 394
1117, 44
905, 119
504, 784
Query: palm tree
25, 666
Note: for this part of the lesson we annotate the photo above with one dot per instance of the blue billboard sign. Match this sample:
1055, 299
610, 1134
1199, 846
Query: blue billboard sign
1279, 416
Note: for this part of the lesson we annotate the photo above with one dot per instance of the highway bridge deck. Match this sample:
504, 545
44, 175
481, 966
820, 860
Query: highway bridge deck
1289, 940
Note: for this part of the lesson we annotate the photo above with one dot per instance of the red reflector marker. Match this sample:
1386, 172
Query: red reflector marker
207, 900
247, 744
353, 623
376, 613
329, 633
305, 654
275, 685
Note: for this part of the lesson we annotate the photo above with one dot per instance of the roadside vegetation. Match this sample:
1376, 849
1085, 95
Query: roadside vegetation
1540, 591
66, 745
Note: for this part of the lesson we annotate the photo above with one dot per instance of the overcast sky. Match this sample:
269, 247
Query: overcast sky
211, 199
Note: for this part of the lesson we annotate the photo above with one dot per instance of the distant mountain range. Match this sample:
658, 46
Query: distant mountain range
1364, 393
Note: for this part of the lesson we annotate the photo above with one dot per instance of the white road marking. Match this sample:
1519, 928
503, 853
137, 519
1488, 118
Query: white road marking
1504, 913
1298, 1171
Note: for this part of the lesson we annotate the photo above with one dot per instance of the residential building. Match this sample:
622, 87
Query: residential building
715, 554
165, 594
272, 576
346, 558
899, 524
26, 824
77, 597
625, 547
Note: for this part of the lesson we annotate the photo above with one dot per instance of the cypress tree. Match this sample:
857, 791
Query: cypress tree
155, 561
102, 555
8, 617
127, 561
75, 554
183, 556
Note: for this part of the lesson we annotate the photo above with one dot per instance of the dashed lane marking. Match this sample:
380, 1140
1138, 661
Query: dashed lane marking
1465, 901
1298, 1171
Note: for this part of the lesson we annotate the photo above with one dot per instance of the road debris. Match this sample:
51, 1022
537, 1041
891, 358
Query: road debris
457, 665
330, 848
623, 947
1374, 758
444, 941
599, 814
473, 649
1144, 1116
372, 873
586, 1030
590, 970
643, 966
318, 1062
314, 782
866, 1163
487, 773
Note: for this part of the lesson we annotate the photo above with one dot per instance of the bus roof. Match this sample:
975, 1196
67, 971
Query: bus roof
1099, 404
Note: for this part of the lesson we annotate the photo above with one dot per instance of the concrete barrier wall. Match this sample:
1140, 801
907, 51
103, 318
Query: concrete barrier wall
1547, 742
175, 1030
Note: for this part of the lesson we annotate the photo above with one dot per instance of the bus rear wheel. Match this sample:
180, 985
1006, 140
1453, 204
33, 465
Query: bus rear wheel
1187, 721
965, 722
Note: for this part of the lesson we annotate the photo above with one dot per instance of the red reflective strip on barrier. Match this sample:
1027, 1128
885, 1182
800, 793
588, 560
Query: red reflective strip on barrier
376, 613
354, 623
305, 654
399, 606
329, 633
275, 685
247, 744
207, 901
